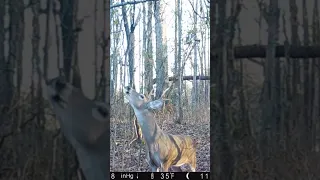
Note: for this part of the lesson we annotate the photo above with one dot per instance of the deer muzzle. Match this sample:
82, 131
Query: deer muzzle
128, 89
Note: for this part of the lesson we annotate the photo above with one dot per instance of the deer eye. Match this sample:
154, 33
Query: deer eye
141, 96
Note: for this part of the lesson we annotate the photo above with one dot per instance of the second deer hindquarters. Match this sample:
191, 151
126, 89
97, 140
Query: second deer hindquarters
164, 151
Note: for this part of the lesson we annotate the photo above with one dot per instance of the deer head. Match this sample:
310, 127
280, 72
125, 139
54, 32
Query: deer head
140, 102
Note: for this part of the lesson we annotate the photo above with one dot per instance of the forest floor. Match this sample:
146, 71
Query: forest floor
125, 158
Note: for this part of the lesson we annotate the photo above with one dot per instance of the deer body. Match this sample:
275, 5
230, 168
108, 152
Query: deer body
163, 149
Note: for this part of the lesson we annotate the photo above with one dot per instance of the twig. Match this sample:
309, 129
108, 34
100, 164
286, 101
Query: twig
202, 17
130, 3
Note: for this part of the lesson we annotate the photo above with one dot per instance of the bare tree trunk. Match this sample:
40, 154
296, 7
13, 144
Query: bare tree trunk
67, 27
105, 97
67, 24
161, 59
203, 89
16, 38
55, 13
304, 118
143, 49
5, 89
270, 111
46, 40
178, 67
195, 60
6, 73
45, 74
286, 78
245, 118
116, 29
95, 36
148, 54
315, 108
36, 62
226, 159
77, 26
130, 42
5, 86
202, 54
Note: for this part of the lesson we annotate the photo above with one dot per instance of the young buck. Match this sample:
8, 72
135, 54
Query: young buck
137, 130
148, 97
85, 124
163, 150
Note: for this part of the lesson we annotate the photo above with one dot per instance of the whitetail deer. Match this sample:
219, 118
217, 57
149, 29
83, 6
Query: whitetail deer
163, 149
85, 125
148, 97
138, 133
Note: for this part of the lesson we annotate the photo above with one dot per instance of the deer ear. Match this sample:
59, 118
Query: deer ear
100, 111
156, 104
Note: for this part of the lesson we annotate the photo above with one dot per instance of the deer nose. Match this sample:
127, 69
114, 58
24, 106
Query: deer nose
127, 88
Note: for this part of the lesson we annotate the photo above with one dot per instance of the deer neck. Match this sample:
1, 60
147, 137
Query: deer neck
149, 127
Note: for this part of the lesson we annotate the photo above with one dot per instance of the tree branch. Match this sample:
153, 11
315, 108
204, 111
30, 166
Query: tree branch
194, 11
259, 51
185, 78
130, 3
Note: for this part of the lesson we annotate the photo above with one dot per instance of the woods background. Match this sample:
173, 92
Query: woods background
257, 134
265, 103
68, 35
159, 45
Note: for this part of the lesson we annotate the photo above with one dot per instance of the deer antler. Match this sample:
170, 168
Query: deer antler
150, 94
166, 90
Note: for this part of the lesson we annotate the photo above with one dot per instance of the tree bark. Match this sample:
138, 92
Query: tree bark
195, 60
67, 30
178, 67
161, 59
226, 159
148, 54
270, 111
259, 51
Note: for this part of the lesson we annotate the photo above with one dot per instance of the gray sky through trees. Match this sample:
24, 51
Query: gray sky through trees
168, 17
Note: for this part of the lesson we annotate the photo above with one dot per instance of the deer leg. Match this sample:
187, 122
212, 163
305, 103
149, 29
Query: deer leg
157, 165
174, 168
152, 167
155, 168
182, 168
